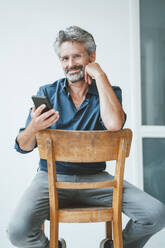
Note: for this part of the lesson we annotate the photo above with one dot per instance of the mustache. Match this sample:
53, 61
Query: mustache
74, 68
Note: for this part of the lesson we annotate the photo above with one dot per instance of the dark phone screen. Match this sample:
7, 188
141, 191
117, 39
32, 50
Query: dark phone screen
39, 100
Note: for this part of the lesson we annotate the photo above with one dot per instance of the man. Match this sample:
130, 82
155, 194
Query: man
84, 100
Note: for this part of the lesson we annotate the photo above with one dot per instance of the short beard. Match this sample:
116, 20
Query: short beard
77, 76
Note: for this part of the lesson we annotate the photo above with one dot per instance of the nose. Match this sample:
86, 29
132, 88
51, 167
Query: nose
71, 61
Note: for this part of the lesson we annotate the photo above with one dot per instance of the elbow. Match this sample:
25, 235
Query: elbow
116, 123
114, 126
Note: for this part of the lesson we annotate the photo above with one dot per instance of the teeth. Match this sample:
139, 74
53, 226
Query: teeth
74, 71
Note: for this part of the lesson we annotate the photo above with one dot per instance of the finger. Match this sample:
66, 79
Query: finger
33, 110
47, 114
51, 120
89, 80
39, 110
86, 77
54, 118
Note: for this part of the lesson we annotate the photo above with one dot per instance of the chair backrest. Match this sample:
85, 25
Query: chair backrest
84, 146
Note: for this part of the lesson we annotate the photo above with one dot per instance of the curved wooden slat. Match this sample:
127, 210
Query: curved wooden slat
96, 146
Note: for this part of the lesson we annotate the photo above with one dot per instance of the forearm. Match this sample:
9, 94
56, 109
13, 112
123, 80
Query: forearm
27, 139
39, 121
111, 110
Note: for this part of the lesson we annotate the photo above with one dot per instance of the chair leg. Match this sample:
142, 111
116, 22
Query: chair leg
117, 234
54, 226
108, 226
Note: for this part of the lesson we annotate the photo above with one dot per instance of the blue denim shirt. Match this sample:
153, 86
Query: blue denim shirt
87, 117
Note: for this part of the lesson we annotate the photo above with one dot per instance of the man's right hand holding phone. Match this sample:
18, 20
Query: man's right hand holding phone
40, 121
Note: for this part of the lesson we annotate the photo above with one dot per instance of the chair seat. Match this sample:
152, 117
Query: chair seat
85, 215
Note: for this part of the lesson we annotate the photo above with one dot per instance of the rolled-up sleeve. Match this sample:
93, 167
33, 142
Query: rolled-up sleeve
16, 145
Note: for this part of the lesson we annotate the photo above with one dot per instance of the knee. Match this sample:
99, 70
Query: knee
156, 215
17, 234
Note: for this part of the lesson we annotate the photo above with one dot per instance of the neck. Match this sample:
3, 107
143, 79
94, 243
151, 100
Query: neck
78, 89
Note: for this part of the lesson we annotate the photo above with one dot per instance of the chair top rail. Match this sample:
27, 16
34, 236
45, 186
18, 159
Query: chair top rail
83, 146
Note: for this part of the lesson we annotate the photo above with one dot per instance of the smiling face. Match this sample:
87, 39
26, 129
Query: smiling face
74, 58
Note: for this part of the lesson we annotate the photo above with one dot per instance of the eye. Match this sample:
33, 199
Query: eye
77, 56
64, 59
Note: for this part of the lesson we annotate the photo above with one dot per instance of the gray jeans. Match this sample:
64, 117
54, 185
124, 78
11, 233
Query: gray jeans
147, 215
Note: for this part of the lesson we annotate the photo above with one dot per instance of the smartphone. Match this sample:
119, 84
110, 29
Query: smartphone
39, 100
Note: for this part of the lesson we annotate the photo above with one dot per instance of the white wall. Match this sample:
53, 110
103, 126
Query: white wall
27, 31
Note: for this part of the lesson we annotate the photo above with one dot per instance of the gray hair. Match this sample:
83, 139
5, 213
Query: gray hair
74, 33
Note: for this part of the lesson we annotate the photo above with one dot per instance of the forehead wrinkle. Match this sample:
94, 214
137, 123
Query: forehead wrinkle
69, 48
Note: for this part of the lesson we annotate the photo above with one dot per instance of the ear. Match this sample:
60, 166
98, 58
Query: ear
93, 57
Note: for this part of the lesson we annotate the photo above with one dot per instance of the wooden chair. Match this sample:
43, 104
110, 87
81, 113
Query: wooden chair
85, 146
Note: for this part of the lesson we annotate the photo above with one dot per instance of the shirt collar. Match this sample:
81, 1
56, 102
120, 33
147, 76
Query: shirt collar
65, 87
92, 89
